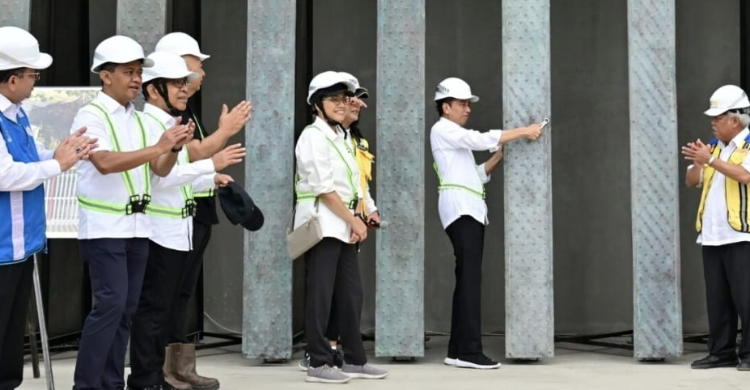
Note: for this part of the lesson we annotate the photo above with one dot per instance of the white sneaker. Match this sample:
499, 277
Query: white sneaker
326, 374
449, 361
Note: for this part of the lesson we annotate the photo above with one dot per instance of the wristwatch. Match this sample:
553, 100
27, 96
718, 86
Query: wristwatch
177, 150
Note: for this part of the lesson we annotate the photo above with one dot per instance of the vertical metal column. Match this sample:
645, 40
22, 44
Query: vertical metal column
15, 13
143, 20
657, 323
269, 171
529, 301
399, 302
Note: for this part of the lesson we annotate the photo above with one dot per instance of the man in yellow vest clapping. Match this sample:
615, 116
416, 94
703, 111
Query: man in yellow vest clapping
722, 167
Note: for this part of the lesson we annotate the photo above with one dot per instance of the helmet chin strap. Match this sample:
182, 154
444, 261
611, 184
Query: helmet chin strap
161, 88
328, 120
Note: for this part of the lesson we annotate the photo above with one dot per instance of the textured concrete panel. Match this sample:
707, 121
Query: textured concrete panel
15, 13
143, 20
269, 169
399, 302
654, 179
529, 304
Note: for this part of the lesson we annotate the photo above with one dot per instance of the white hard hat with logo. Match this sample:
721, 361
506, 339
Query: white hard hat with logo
726, 98
181, 44
167, 66
119, 49
19, 49
359, 91
453, 87
328, 79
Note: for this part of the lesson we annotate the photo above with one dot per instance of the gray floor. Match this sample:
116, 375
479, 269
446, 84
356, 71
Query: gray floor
574, 367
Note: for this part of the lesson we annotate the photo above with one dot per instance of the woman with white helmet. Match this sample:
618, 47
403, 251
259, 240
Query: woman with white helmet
113, 228
171, 209
327, 186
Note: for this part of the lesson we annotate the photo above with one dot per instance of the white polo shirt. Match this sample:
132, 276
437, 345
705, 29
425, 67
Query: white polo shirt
25, 176
172, 233
452, 147
323, 168
715, 228
110, 188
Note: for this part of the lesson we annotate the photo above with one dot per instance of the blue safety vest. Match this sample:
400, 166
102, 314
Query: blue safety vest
22, 220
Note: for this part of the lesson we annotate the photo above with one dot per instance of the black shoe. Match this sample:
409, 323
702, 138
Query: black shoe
744, 365
480, 361
338, 358
712, 361
154, 387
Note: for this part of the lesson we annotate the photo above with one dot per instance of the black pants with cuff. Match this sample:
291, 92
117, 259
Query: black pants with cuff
164, 274
467, 236
15, 290
332, 266
726, 269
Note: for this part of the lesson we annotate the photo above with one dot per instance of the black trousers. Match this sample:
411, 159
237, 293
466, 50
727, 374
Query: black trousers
332, 266
116, 268
178, 321
467, 236
164, 273
726, 269
15, 288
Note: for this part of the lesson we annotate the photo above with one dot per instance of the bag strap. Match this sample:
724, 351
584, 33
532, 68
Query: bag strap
294, 211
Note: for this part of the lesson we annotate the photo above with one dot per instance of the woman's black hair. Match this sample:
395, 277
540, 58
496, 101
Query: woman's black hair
316, 100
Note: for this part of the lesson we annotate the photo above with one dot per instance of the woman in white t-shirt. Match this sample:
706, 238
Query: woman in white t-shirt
327, 185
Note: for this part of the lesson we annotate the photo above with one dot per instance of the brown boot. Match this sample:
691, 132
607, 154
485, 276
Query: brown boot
185, 368
169, 370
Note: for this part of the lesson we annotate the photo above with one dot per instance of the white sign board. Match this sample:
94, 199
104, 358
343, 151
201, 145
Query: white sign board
51, 111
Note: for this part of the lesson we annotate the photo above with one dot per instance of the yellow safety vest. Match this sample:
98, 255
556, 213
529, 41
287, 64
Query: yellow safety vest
364, 161
736, 192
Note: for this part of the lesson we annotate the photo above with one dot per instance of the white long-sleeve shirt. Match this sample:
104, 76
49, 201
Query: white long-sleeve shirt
322, 169
172, 233
452, 147
16, 176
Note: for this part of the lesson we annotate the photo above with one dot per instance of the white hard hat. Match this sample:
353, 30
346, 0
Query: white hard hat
359, 91
728, 97
19, 49
328, 79
119, 49
181, 44
167, 66
453, 87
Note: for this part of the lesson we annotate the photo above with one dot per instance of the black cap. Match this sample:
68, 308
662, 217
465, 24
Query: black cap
239, 207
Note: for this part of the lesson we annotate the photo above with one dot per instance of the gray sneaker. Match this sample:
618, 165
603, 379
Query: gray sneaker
364, 372
326, 374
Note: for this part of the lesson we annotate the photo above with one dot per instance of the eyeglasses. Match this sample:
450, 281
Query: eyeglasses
338, 99
36, 75
179, 83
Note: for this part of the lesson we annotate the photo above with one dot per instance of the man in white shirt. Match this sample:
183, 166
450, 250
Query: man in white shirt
24, 166
463, 211
113, 193
172, 207
723, 169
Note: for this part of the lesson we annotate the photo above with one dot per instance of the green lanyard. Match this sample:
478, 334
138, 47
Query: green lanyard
309, 196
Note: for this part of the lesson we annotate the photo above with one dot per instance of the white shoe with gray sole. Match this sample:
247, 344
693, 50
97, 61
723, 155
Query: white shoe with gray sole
366, 371
326, 374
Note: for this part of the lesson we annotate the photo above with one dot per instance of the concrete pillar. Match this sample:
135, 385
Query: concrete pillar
399, 302
654, 172
269, 171
529, 301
